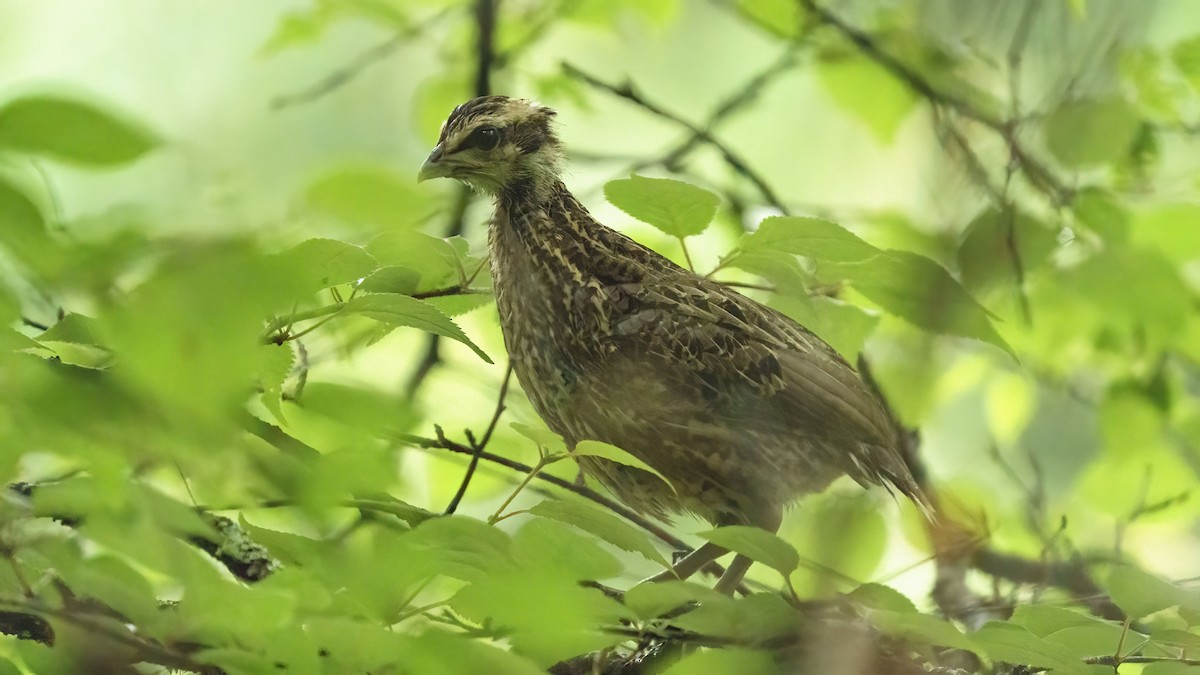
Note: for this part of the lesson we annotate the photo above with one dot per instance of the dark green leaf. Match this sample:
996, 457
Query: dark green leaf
71, 130
401, 310
602, 524
756, 544
677, 208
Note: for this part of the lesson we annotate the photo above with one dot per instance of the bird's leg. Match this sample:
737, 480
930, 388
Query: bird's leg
691, 563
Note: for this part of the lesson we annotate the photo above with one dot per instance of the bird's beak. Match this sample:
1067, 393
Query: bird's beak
434, 167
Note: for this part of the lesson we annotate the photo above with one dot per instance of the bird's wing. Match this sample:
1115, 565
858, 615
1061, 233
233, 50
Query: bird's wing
756, 367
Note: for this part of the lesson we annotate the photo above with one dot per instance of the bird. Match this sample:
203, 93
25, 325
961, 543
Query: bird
740, 408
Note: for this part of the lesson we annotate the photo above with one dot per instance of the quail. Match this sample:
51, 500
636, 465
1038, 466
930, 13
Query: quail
741, 408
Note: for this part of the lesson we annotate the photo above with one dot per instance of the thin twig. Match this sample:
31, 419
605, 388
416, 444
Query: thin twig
627, 92
479, 446
364, 60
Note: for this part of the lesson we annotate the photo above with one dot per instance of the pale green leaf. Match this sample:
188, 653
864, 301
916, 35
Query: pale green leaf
402, 310
810, 237
1186, 55
1140, 593
71, 130
725, 662
1015, 644
368, 196
922, 628
677, 208
651, 599
878, 596
543, 437
602, 524
869, 91
756, 544
274, 365
612, 453
321, 263
1090, 132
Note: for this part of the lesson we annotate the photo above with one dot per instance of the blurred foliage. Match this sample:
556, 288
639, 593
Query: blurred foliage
219, 458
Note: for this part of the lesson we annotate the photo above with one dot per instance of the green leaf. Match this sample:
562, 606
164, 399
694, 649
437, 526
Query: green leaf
457, 305
436, 261
321, 263
549, 547
844, 326
733, 661
1102, 213
464, 548
1089, 132
614, 454
986, 255
756, 544
392, 279
757, 618
878, 596
189, 336
677, 208
810, 237
75, 328
274, 365
1140, 593
1084, 635
368, 196
436, 651
781, 17
1171, 229
921, 291
22, 228
551, 442
602, 524
71, 130
866, 89
401, 310
1014, 644
922, 628
845, 533
1186, 55
650, 599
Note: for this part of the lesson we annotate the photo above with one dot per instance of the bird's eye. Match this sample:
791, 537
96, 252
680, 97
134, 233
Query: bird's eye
486, 138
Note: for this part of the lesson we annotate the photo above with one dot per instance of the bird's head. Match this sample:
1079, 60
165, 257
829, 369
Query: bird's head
497, 144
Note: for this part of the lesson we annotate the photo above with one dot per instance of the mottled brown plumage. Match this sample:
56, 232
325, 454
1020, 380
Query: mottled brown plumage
743, 409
